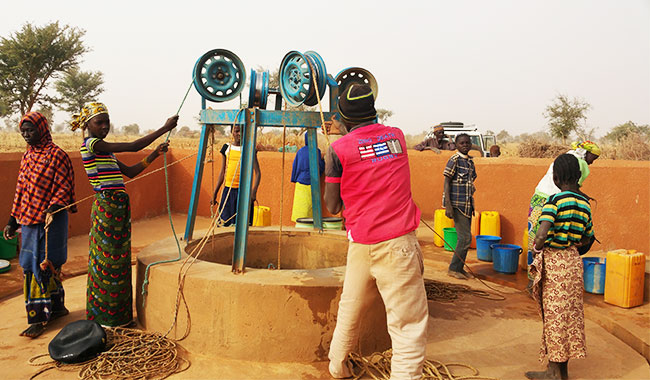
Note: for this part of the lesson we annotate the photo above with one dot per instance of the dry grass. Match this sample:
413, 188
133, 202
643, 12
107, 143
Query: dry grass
633, 147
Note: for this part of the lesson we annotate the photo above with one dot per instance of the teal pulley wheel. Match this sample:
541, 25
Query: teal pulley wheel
259, 89
318, 69
219, 75
356, 75
295, 79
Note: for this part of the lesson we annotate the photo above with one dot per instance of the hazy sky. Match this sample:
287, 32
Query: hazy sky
496, 64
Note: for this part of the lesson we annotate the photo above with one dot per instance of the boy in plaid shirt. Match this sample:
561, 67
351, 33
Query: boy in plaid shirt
458, 200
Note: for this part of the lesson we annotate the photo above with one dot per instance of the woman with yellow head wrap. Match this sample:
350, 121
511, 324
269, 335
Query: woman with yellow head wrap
109, 296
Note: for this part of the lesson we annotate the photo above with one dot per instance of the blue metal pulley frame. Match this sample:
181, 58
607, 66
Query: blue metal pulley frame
259, 89
295, 79
318, 69
356, 75
219, 75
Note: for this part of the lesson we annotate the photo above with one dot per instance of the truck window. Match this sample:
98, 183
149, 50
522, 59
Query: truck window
489, 141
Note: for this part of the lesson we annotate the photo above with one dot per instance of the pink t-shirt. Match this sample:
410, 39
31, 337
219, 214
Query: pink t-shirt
372, 167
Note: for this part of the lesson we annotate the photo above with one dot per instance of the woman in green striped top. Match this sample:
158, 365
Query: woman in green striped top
564, 225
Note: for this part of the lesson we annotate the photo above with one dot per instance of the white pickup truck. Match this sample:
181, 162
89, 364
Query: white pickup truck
480, 140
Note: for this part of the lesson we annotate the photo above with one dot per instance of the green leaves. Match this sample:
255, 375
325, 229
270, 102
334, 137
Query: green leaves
78, 87
33, 56
565, 116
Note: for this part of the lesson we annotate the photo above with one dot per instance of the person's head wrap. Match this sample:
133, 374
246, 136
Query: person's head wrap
357, 103
40, 122
88, 111
438, 128
586, 146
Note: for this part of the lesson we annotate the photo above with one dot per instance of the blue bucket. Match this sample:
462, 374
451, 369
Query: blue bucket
594, 274
483, 243
505, 257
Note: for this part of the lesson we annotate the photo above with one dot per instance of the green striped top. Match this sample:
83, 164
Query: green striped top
570, 216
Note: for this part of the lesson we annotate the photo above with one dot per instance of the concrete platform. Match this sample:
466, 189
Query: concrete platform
500, 339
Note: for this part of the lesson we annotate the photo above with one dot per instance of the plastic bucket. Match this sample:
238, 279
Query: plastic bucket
8, 248
332, 223
305, 223
594, 274
483, 243
451, 238
505, 257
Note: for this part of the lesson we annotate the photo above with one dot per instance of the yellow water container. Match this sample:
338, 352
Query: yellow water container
476, 217
262, 216
523, 259
624, 276
440, 221
490, 223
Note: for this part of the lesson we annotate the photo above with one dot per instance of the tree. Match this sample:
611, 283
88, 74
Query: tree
383, 114
565, 116
31, 57
47, 111
78, 87
503, 136
131, 129
623, 130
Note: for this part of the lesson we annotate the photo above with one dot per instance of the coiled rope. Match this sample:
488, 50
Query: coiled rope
131, 354
377, 366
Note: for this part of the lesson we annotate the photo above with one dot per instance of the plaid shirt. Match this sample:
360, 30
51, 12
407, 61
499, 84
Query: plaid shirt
45, 177
462, 173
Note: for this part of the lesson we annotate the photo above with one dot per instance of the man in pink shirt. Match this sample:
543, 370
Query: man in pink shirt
367, 171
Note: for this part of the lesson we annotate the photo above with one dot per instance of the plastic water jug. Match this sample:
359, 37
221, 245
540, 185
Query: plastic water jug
490, 223
440, 222
476, 228
624, 278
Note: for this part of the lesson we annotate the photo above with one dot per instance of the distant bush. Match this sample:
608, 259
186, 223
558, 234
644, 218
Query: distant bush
535, 148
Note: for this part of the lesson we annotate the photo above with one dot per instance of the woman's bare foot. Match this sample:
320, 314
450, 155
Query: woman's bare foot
34, 330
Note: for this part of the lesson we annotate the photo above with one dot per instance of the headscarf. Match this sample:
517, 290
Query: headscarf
88, 111
586, 146
438, 128
45, 176
40, 122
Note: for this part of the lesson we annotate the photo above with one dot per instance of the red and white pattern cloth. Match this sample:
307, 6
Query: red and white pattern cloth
45, 177
557, 288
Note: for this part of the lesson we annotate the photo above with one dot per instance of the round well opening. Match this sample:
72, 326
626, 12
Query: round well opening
299, 250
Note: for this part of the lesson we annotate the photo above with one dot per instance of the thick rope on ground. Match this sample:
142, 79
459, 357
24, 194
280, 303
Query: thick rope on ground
446, 292
377, 366
131, 354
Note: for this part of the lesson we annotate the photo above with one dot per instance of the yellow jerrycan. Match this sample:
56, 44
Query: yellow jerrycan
624, 277
440, 222
490, 223
261, 216
475, 228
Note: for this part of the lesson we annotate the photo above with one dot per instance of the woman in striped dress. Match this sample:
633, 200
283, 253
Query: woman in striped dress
109, 297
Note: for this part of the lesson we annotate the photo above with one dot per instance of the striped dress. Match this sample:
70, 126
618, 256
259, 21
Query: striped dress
108, 295
557, 273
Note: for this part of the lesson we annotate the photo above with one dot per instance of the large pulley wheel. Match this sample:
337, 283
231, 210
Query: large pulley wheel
259, 89
295, 79
219, 75
356, 75
320, 72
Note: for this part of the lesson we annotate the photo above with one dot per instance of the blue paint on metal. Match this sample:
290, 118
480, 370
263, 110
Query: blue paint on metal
295, 78
314, 174
196, 184
268, 118
249, 136
219, 75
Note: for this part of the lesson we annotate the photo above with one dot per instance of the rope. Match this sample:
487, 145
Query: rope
320, 107
493, 297
377, 366
132, 354
446, 292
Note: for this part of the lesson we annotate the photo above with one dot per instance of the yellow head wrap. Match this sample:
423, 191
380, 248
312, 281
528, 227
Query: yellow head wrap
88, 111
438, 128
588, 146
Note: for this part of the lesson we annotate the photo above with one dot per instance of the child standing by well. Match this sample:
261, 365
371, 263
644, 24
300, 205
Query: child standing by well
458, 200
564, 225
230, 169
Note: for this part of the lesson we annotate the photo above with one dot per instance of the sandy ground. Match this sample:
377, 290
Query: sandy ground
500, 339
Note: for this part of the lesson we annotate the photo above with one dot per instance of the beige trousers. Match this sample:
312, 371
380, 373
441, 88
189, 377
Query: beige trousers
394, 268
